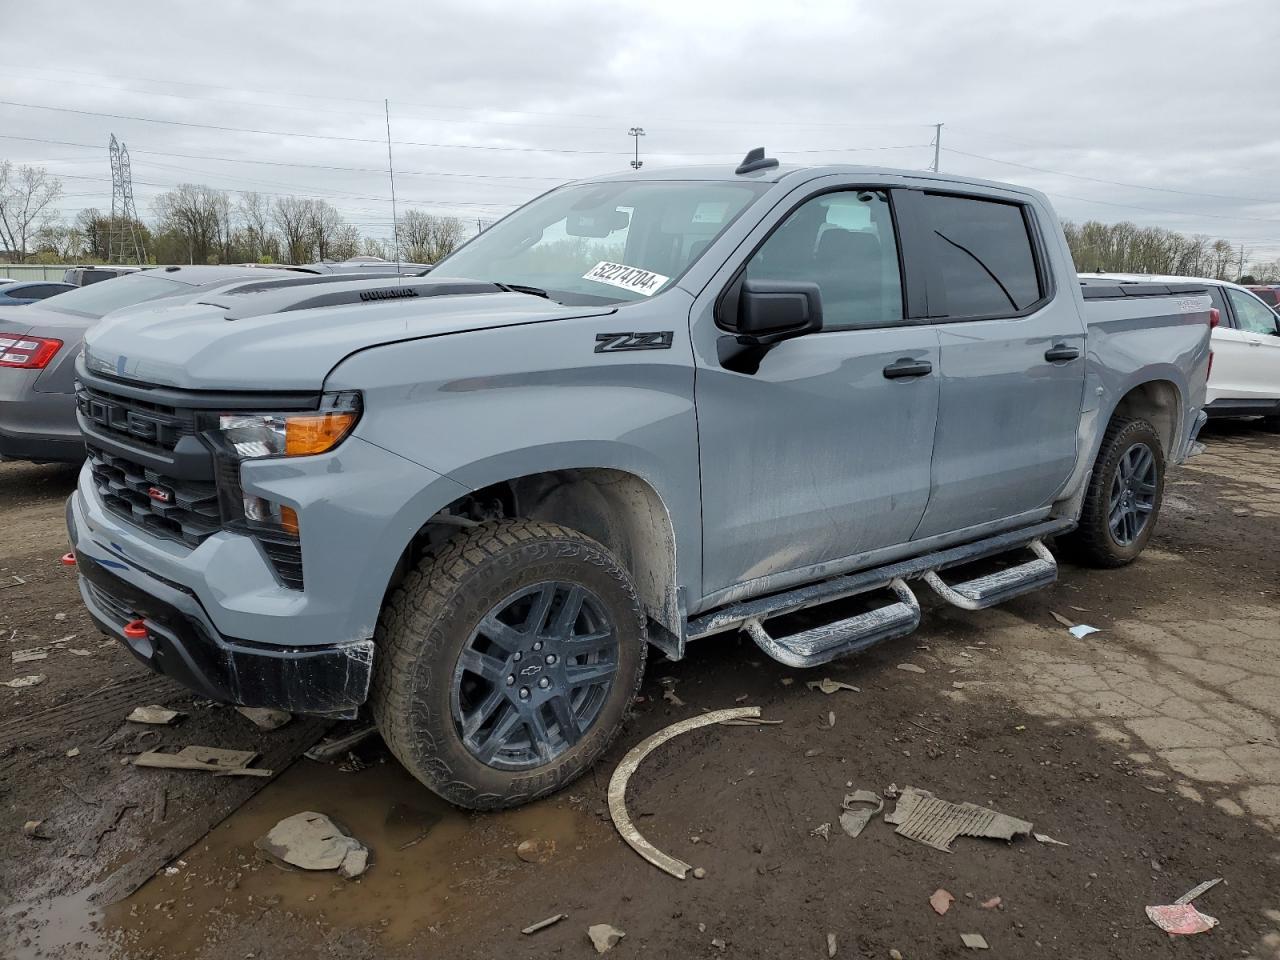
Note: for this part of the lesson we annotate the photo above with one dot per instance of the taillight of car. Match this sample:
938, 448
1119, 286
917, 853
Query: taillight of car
1215, 318
27, 353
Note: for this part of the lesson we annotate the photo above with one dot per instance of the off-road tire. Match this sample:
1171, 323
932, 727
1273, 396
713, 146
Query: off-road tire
1092, 542
426, 622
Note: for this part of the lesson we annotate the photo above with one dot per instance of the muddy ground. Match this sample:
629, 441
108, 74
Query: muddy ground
1150, 748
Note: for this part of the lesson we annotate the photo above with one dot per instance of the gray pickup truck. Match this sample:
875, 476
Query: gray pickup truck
642, 409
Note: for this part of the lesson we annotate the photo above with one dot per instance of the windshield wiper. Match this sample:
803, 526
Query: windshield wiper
524, 288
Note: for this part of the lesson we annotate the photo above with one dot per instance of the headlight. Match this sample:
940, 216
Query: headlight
253, 435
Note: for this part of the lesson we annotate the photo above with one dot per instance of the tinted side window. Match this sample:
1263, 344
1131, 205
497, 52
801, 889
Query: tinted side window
845, 243
1252, 314
983, 251
1219, 301
40, 291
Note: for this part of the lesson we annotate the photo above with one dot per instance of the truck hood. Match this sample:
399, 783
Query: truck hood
224, 346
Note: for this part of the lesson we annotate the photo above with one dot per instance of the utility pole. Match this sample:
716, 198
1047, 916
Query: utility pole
391, 172
636, 133
937, 145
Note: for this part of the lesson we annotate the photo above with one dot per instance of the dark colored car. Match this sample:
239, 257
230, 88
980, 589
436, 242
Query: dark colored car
1267, 293
39, 344
29, 291
83, 276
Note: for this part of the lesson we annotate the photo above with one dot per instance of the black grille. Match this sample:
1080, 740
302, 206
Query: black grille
285, 554
182, 510
140, 422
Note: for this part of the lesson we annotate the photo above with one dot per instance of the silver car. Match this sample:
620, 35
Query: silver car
39, 344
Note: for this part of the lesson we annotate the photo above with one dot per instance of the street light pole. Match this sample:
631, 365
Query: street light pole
636, 133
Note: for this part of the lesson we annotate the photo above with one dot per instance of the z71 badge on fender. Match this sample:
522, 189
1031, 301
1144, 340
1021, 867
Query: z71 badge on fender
613, 342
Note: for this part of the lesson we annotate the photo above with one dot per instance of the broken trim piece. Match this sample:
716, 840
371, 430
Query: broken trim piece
622, 774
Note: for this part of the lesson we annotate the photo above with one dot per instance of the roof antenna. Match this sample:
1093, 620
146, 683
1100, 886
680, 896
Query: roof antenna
391, 170
755, 160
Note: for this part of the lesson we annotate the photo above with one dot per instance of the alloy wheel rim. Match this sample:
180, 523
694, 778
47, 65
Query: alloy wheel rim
1133, 494
534, 675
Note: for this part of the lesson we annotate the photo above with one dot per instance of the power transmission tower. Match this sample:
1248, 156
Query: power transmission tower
123, 239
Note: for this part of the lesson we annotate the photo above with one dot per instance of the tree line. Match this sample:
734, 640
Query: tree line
1128, 248
196, 223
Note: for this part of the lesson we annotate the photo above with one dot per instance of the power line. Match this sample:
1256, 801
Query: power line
415, 143
1114, 183
329, 99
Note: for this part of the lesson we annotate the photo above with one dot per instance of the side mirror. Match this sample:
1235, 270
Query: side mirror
770, 311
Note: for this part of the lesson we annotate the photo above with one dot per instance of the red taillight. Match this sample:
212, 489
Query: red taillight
1215, 318
27, 353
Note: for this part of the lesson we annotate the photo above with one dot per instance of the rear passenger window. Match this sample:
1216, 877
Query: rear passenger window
844, 242
983, 251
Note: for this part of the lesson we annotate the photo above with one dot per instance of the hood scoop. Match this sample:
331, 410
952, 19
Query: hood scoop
243, 303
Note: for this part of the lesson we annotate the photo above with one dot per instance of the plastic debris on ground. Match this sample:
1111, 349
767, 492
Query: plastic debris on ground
543, 924
921, 816
155, 714
311, 841
264, 718
1082, 630
1180, 919
991, 904
17, 683
617, 793
974, 941
831, 945
941, 901
604, 937
855, 818
29, 656
823, 830
209, 759
1045, 838
828, 686
910, 668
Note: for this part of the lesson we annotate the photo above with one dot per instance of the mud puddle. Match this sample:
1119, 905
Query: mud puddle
427, 860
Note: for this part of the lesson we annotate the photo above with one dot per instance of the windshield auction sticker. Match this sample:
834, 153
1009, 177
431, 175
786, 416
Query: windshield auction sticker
644, 282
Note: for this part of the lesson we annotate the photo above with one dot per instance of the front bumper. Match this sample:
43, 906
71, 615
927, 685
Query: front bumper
182, 643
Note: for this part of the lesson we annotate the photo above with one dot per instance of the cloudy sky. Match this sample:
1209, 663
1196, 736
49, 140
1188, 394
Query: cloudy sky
1162, 112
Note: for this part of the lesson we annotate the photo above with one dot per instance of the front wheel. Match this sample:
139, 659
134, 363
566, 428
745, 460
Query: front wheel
1124, 496
507, 661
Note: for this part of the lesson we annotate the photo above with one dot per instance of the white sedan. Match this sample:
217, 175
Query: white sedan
1244, 380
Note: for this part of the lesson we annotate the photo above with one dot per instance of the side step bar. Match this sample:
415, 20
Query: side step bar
983, 592
824, 643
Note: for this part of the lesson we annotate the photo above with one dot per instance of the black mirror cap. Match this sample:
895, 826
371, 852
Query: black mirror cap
770, 311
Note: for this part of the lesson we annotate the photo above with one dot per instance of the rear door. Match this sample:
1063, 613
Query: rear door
1249, 353
822, 452
1013, 345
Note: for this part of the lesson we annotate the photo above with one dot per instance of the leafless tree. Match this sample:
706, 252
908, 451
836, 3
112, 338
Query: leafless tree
326, 224
26, 196
259, 239
426, 238
292, 217
197, 215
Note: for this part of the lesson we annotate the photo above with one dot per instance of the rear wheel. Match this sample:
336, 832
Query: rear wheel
507, 662
1123, 500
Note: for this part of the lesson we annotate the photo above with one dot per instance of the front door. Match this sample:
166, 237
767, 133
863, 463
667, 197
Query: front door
819, 453
1246, 358
1013, 363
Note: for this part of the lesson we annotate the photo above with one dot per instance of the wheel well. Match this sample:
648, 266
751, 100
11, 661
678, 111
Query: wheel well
1158, 403
618, 509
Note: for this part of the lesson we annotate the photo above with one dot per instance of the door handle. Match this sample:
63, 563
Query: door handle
906, 367
1060, 352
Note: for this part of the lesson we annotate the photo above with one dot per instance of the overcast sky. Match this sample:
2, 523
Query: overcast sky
1158, 111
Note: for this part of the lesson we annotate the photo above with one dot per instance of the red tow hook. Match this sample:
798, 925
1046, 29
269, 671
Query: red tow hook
136, 630
69, 559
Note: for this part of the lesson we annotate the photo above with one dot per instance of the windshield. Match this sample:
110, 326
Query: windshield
107, 295
603, 242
